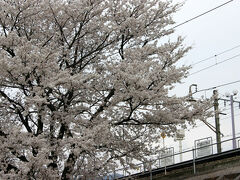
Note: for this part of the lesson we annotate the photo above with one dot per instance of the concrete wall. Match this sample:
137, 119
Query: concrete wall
226, 168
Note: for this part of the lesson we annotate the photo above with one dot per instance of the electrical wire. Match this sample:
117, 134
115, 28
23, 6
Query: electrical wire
228, 59
202, 14
230, 116
214, 56
213, 120
214, 87
225, 117
229, 108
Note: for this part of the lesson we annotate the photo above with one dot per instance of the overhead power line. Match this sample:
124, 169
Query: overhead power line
228, 59
212, 120
214, 87
229, 108
214, 56
202, 14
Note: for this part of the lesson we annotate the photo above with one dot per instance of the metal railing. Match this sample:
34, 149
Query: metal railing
155, 165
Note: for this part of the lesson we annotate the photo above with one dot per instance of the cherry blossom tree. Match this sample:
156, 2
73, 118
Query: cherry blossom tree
84, 85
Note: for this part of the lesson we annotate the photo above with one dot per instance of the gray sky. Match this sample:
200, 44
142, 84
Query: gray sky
209, 35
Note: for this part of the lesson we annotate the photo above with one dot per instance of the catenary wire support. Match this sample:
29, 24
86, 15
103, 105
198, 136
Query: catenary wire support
233, 124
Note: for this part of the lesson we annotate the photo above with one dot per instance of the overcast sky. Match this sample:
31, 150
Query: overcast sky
210, 35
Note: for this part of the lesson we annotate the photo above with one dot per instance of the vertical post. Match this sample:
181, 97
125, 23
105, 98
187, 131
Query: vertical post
180, 150
165, 168
233, 124
194, 165
163, 143
217, 123
150, 171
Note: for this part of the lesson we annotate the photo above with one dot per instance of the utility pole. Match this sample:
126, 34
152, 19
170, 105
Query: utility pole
217, 124
233, 124
232, 114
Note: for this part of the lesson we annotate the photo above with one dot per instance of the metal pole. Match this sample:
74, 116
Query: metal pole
233, 124
217, 123
165, 168
163, 144
150, 172
194, 165
180, 149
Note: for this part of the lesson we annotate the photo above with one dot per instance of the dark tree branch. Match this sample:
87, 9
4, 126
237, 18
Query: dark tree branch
59, 25
24, 121
48, 40
3, 134
9, 50
98, 49
11, 167
40, 125
20, 157
69, 166
64, 128
104, 104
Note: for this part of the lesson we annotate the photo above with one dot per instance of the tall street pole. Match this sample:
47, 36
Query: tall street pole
217, 123
180, 150
233, 124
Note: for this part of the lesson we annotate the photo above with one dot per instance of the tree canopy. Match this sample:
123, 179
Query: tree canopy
84, 85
